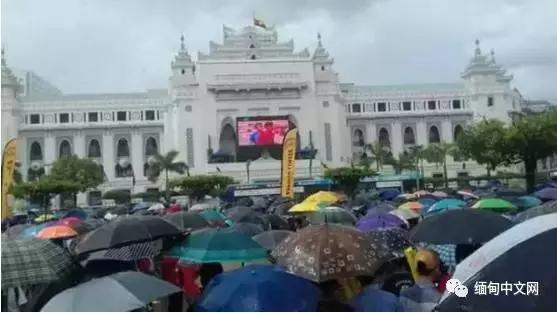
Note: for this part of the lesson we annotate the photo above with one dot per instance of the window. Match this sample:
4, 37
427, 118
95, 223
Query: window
122, 149
322, 68
251, 46
434, 135
93, 117
381, 106
35, 119
64, 117
150, 115
462, 174
384, 138
358, 139
183, 71
409, 138
95, 198
456, 104
490, 101
65, 149
406, 105
36, 152
356, 108
431, 104
94, 149
252, 57
457, 132
121, 116
437, 175
151, 147
325, 104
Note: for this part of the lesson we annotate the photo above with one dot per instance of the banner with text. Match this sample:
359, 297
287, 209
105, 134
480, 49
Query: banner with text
288, 166
8, 166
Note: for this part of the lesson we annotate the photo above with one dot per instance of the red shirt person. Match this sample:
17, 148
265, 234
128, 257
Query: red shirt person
266, 136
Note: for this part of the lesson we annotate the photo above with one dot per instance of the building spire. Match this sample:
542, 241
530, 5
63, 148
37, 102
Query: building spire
319, 44
492, 53
478, 51
182, 45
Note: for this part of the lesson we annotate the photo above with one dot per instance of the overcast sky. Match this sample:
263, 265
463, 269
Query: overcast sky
90, 46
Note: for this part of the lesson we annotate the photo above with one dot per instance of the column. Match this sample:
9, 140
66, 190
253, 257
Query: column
136, 151
447, 131
396, 138
79, 145
49, 149
421, 133
371, 130
108, 156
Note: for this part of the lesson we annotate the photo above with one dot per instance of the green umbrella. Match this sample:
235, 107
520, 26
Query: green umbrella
334, 215
218, 245
494, 204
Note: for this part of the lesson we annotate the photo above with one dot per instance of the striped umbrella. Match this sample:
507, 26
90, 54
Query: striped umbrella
27, 262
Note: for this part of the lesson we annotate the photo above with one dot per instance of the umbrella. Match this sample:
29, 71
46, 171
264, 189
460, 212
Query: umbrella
202, 206
389, 243
245, 214
76, 213
388, 195
213, 216
415, 206
379, 221
44, 217
186, 220
494, 204
407, 196
246, 228
259, 288
140, 206
156, 207
323, 197
270, 239
446, 204
525, 202
27, 262
460, 227
547, 194
466, 194
33, 230
440, 194
69, 221
381, 208
510, 192
307, 207
520, 262
120, 292
332, 214
325, 252
124, 231
275, 222
130, 252
543, 209
374, 299
427, 202
16, 230
218, 245
405, 213
57, 232
280, 206
94, 222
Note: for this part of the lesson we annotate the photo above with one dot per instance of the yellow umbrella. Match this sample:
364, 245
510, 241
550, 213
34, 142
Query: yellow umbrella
44, 217
323, 197
307, 207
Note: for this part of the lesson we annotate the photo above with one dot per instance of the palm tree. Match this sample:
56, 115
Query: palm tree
437, 153
403, 162
379, 152
167, 164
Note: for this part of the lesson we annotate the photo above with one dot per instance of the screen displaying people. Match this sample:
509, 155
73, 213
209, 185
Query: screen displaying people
261, 132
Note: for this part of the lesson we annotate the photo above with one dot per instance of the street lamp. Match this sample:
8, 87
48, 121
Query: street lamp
248, 163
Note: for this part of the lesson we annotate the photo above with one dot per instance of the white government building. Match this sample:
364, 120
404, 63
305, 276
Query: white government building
250, 73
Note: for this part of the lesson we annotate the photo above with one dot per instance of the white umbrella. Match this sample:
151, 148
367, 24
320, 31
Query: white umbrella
155, 207
201, 206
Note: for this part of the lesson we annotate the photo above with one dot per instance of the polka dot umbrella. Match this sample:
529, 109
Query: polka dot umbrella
325, 252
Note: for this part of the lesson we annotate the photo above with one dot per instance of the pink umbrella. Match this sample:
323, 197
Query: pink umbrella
70, 221
467, 194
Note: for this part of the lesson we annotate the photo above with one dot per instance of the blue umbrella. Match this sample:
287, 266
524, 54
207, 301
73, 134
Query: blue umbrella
525, 202
547, 194
259, 288
388, 195
427, 202
373, 299
32, 231
445, 204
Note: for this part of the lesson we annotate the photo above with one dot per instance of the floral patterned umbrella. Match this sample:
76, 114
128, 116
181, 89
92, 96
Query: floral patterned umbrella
325, 252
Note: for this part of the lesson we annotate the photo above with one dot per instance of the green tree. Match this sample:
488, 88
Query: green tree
168, 164
119, 196
530, 139
379, 154
485, 143
45, 188
198, 186
348, 178
437, 153
84, 172
405, 161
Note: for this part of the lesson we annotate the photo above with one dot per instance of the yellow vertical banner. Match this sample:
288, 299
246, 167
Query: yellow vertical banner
288, 165
8, 166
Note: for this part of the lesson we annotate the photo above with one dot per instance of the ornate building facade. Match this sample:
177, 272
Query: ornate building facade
251, 73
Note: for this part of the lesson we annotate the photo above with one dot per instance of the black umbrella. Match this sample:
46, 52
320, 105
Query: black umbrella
244, 214
543, 209
120, 292
389, 243
187, 220
275, 222
515, 271
127, 230
130, 252
280, 206
468, 226
246, 228
270, 239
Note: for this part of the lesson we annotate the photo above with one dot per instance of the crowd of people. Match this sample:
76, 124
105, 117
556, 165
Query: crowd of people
196, 249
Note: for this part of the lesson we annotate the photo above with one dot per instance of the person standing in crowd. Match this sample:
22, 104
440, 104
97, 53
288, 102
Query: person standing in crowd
423, 296
173, 208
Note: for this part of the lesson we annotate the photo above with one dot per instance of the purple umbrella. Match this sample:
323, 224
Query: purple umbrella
547, 194
379, 221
